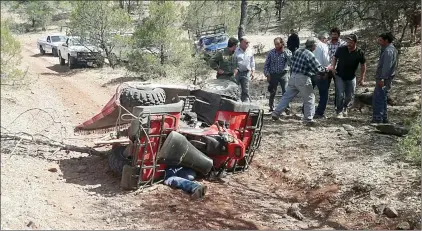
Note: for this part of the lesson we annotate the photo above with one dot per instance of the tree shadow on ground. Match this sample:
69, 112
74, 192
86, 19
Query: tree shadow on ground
63, 71
91, 171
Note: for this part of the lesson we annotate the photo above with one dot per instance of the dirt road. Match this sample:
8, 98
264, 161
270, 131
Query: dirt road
336, 172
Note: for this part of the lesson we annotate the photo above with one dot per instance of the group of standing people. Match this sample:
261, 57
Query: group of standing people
298, 71
321, 61
324, 59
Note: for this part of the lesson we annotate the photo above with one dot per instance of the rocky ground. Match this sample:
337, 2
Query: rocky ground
340, 174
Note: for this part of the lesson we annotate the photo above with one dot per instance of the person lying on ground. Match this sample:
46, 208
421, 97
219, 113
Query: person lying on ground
183, 178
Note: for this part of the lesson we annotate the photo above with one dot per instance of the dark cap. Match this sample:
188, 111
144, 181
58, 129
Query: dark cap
352, 37
232, 41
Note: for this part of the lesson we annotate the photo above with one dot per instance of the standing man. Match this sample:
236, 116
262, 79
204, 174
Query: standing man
347, 59
244, 62
276, 69
321, 53
386, 71
304, 66
333, 44
222, 61
293, 41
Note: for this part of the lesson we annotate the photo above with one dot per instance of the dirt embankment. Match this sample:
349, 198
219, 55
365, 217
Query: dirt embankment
336, 173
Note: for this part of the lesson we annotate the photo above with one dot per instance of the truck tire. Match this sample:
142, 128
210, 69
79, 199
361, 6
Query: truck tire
132, 97
116, 160
42, 51
61, 60
70, 61
225, 88
54, 51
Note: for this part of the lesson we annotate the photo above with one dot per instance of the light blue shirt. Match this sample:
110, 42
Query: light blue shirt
321, 53
244, 60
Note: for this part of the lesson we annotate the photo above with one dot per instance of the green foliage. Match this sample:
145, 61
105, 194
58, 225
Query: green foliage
201, 14
37, 13
100, 24
410, 146
10, 55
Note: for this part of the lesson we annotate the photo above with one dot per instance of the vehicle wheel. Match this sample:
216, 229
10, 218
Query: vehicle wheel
132, 97
42, 51
226, 88
61, 60
54, 51
70, 61
117, 159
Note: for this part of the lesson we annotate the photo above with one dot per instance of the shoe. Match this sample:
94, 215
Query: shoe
199, 193
274, 116
374, 121
317, 117
288, 112
345, 112
339, 115
271, 110
309, 122
385, 121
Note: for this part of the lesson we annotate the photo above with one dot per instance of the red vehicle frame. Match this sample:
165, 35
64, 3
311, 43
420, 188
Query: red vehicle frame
148, 132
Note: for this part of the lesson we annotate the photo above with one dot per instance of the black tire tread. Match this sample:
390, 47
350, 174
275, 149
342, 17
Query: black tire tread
116, 160
225, 88
132, 97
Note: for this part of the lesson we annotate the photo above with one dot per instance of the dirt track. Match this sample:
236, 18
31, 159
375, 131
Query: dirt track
335, 175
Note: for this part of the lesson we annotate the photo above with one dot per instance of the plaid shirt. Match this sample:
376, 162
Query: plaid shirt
332, 47
304, 62
277, 62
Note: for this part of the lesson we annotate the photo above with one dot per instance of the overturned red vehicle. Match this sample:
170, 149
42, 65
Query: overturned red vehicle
208, 130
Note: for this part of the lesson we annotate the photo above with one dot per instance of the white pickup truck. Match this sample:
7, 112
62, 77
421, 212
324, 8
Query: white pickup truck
78, 53
50, 43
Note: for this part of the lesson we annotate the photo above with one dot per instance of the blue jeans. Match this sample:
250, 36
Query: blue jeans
298, 83
345, 93
181, 178
323, 88
379, 104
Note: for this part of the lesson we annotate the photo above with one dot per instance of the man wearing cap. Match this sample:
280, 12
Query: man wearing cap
304, 66
322, 81
244, 63
222, 61
386, 71
347, 58
276, 69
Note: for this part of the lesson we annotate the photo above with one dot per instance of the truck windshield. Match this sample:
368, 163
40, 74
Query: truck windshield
213, 40
58, 39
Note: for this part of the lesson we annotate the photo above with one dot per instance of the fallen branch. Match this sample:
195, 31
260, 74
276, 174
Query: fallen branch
52, 143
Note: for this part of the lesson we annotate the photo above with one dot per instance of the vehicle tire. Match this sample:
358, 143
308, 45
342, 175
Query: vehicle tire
132, 97
54, 51
70, 61
42, 51
117, 159
61, 60
225, 88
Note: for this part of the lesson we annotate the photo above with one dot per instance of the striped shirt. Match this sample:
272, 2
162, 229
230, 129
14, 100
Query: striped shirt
304, 62
277, 62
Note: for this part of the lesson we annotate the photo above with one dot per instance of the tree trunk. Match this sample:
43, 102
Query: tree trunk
33, 22
128, 7
162, 56
243, 16
122, 4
